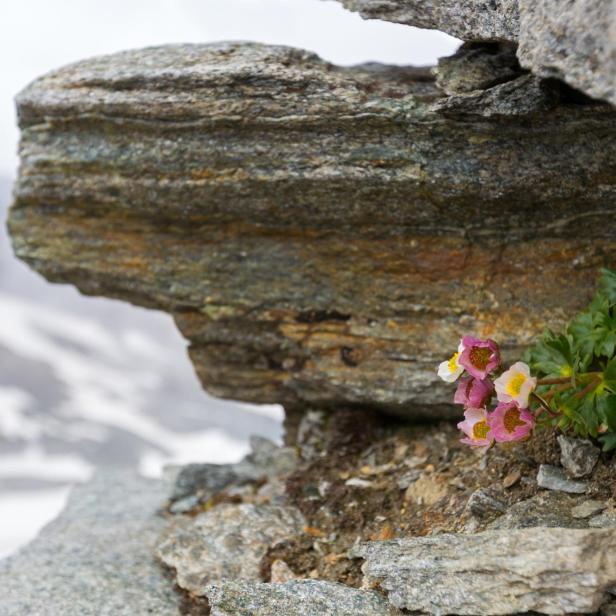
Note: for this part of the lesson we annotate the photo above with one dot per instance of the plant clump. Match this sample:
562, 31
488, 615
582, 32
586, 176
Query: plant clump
566, 380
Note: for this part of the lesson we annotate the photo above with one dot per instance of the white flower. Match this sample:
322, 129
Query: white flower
451, 369
515, 385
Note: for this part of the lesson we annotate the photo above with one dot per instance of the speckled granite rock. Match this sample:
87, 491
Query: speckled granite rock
322, 235
574, 41
546, 570
296, 598
470, 20
225, 543
96, 558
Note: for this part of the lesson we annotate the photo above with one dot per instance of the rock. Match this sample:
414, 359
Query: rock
226, 542
470, 20
607, 519
477, 67
588, 508
95, 559
295, 598
524, 95
573, 41
554, 478
427, 490
578, 456
197, 484
545, 570
485, 502
548, 509
322, 235
281, 572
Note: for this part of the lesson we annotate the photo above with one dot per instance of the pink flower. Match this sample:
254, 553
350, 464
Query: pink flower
479, 357
476, 428
515, 385
474, 393
508, 422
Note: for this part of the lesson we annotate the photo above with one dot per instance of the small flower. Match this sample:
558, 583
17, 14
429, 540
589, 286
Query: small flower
479, 357
476, 428
515, 385
509, 422
474, 393
451, 369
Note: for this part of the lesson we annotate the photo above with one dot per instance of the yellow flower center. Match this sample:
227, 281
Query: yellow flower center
480, 430
453, 362
512, 420
480, 357
515, 384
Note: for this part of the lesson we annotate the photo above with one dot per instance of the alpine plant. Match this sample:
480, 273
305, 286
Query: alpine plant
566, 380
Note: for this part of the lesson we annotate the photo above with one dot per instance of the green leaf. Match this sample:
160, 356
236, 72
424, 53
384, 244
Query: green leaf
609, 375
607, 284
588, 413
606, 410
552, 355
608, 441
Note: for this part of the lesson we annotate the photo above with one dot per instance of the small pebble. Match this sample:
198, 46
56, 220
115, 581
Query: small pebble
356, 482
511, 479
578, 456
555, 478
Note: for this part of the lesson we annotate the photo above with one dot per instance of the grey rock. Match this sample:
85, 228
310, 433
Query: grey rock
248, 190
226, 542
578, 456
607, 519
477, 67
547, 570
198, 483
96, 558
573, 41
408, 478
295, 598
470, 20
547, 509
555, 478
588, 508
523, 96
486, 502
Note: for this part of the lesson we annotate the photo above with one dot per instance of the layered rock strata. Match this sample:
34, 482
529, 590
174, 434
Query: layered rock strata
322, 235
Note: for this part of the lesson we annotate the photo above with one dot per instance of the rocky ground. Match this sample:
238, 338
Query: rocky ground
349, 481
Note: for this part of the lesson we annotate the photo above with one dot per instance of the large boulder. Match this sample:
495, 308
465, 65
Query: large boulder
322, 235
96, 559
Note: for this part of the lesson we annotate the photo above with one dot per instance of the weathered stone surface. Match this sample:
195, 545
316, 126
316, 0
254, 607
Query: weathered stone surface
226, 542
578, 456
547, 570
555, 478
296, 598
196, 484
321, 235
588, 508
574, 41
470, 20
477, 67
96, 558
548, 509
